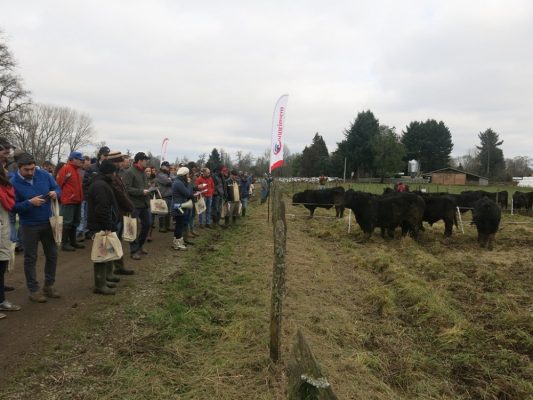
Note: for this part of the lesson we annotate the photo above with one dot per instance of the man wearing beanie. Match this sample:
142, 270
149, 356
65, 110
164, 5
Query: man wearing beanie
33, 190
69, 180
136, 183
102, 215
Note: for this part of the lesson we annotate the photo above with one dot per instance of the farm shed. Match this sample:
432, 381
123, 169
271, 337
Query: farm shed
453, 176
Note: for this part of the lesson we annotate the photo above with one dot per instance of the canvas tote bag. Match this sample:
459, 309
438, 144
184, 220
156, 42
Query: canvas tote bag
130, 228
200, 205
56, 221
106, 247
158, 206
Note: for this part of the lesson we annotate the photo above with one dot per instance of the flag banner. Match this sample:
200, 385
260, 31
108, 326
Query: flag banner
164, 149
278, 127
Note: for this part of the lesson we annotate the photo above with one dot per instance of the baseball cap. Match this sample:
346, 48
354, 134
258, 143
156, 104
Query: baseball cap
103, 151
75, 155
140, 156
165, 164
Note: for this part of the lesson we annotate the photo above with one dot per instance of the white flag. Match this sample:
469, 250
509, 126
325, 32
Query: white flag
278, 127
164, 149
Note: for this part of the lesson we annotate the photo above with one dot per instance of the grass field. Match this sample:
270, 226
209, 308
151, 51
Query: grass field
389, 319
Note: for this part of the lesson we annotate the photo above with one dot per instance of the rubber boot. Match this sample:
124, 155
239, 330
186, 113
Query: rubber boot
100, 286
226, 222
109, 273
186, 237
162, 224
66, 246
243, 212
120, 269
167, 222
73, 239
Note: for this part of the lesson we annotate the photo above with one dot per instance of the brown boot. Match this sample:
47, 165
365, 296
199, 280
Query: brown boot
49, 291
37, 297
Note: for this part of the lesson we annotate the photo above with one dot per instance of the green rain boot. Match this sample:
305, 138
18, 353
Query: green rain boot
109, 273
100, 286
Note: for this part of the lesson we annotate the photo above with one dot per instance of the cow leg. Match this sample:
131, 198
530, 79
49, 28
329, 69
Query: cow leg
482, 239
383, 232
311, 212
490, 240
448, 227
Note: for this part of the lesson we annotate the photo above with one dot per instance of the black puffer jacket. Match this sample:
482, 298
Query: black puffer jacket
102, 210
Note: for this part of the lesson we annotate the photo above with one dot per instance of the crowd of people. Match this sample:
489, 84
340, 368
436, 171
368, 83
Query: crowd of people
94, 196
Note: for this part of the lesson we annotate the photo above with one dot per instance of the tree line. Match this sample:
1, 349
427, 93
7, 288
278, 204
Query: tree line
371, 149
49, 132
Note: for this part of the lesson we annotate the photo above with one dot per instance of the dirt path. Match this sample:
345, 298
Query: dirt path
25, 333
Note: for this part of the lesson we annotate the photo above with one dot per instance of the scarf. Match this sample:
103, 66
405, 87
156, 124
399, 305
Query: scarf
7, 197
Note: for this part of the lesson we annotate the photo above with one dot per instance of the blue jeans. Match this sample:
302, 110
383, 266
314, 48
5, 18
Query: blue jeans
82, 227
16, 235
32, 235
146, 223
205, 217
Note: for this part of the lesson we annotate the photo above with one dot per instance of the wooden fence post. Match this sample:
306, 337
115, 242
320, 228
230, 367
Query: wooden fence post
278, 274
305, 377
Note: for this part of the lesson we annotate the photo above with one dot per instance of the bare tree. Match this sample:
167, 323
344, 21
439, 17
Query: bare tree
49, 132
83, 133
13, 97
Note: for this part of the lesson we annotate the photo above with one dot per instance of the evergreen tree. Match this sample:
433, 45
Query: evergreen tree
214, 162
358, 145
430, 143
490, 156
315, 158
389, 152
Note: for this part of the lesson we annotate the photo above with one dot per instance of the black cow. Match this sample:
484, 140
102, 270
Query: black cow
486, 217
326, 198
503, 198
386, 212
440, 207
467, 199
521, 200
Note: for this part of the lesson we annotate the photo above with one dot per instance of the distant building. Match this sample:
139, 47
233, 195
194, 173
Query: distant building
454, 176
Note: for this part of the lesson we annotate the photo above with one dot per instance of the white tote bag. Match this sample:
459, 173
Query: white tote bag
106, 247
130, 228
158, 206
56, 221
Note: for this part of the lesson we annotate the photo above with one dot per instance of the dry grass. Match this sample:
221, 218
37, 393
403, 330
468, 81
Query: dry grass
395, 319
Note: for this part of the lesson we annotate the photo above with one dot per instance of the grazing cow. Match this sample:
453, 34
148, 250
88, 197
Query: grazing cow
486, 217
326, 198
503, 198
386, 212
468, 198
440, 207
521, 200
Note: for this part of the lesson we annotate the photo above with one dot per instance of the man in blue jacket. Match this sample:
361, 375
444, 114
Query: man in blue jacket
33, 190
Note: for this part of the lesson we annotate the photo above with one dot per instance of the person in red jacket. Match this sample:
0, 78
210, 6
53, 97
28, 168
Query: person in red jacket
206, 186
69, 180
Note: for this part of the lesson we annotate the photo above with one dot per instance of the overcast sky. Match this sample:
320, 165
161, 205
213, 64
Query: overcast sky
207, 73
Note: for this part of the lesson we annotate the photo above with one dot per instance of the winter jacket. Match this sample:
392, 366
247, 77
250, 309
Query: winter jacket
245, 187
69, 180
5, 242
102, 207
90, 174
125, 205
209, 190
43, 183
181, 192
136, 182
164, 184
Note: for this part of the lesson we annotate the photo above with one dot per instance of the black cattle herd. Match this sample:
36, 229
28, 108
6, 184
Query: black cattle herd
408, 210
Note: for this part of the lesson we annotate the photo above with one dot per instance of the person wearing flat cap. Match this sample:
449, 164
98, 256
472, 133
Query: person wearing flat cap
102, 215
136, 183
69, 180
